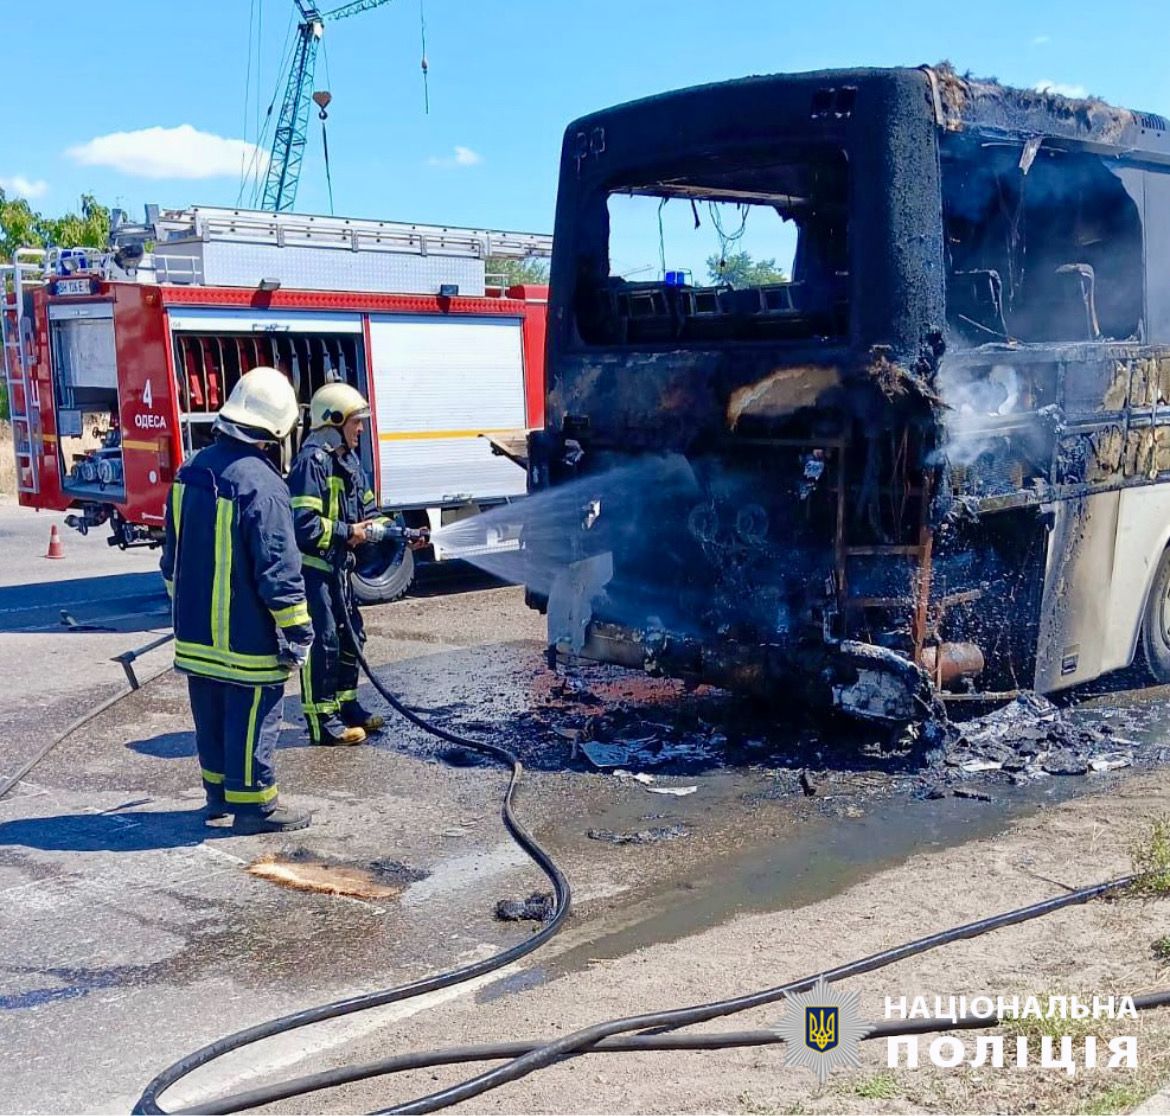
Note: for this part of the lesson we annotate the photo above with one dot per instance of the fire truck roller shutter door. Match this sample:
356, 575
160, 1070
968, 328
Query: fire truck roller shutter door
439, 383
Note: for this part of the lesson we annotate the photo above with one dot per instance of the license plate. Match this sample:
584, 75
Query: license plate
73, 286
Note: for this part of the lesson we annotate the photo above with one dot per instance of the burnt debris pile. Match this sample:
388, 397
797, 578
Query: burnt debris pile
1031, 739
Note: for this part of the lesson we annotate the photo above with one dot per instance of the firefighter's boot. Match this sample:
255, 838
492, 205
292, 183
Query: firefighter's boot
334, 732
281, 820
356, 715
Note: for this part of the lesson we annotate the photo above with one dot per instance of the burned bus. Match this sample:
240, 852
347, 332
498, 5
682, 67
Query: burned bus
929, 456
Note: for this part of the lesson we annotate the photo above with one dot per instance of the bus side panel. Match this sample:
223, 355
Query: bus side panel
1143, 531
146, 401
441, 381
1076, 607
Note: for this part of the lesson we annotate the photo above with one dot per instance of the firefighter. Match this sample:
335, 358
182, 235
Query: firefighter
334, 510
241, 620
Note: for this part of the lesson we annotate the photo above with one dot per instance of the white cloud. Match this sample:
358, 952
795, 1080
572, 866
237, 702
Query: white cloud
463, 157
1040, 40
182, 152
23, 187
1076, 92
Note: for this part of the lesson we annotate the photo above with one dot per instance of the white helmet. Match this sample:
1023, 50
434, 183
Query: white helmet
333, 404
265, 399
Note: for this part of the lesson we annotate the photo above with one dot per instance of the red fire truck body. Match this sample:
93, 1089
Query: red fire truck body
139, 354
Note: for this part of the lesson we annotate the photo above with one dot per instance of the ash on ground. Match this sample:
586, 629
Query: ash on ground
538, 907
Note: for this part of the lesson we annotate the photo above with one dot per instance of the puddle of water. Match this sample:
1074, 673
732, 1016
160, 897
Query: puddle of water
822, 858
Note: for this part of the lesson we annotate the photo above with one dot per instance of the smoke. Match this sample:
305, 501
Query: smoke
975, 399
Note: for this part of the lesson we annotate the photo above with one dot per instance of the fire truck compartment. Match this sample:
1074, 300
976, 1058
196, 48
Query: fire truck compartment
88, 437
439, 384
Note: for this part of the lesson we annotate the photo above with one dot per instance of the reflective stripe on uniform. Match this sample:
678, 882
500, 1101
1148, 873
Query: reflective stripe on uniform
336, 490
368, 496
232, 658
250, 737
316, 563
326, 534
346, 695
211, 776
177, 510
221, 585
228, 666
265, 795
170, 586
209, 669
291, 616
313, 503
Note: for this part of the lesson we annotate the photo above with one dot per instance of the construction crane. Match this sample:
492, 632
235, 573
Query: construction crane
288, 144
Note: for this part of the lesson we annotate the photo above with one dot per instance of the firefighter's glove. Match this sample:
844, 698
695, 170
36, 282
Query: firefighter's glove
294, 655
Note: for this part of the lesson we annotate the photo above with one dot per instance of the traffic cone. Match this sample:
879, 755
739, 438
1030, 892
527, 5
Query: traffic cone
56, 550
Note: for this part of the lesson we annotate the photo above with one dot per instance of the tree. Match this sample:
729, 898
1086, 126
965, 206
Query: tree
512, 273
21, 226
740, 270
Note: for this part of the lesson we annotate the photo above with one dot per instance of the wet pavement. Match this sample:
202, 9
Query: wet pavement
133, 933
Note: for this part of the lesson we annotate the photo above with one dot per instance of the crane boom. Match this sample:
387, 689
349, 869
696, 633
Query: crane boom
291, 134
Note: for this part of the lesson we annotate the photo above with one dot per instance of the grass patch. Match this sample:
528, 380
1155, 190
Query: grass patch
1160, 947
1151, 861
882, 1086
1117, 1098
754, 1107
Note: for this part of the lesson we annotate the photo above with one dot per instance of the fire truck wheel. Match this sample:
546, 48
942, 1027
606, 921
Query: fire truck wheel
385, 579
1156, 625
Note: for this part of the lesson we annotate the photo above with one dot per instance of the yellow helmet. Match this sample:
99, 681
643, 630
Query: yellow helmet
263, 398
333, 404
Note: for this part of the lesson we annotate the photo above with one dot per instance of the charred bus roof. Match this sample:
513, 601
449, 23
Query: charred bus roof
828, 100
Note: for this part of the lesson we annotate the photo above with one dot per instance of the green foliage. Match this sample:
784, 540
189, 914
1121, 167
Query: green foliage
1117, 1099
21, 226
739, 270
1151, 861
512, 273
882, 1086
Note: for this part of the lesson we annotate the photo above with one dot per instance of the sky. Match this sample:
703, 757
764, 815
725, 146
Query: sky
141, 101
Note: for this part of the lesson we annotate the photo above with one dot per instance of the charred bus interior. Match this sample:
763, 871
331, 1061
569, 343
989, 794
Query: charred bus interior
869, 479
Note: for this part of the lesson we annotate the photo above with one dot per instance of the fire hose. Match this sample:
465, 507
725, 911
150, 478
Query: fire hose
614, 1036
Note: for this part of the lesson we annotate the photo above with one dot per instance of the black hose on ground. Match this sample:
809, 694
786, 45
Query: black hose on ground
623, 1044
526, 1057
611, 1036
680, 1017
81, 722
149, 1101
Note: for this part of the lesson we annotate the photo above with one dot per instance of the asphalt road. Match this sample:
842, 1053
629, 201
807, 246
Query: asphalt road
131, 934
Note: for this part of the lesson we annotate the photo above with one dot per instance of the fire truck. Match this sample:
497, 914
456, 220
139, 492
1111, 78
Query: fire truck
116, 360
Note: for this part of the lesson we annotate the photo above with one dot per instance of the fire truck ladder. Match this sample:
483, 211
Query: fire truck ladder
23, 399
245, 226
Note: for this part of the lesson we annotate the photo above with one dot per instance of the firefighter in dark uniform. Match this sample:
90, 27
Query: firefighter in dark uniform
335, 511
231, 564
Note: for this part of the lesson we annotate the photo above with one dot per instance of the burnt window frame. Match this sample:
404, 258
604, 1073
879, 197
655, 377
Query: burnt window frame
1002, 317
591, 254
